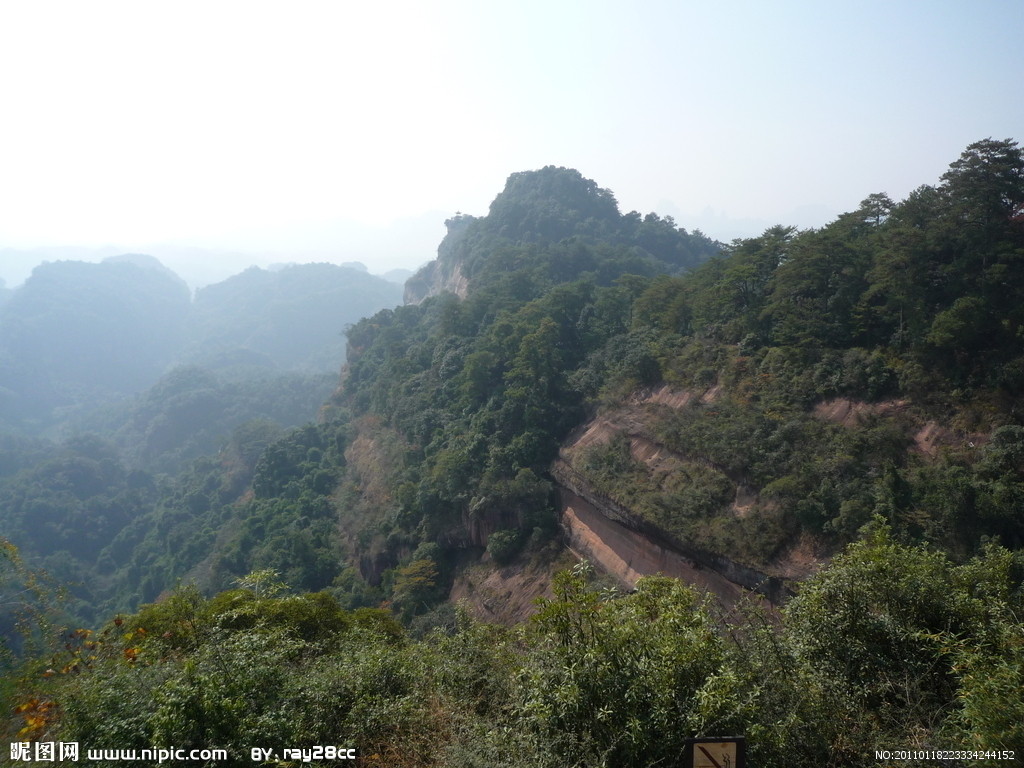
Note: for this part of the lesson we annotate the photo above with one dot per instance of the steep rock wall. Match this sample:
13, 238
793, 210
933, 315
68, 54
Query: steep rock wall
445, 274
649, 544
434, 279
628, 555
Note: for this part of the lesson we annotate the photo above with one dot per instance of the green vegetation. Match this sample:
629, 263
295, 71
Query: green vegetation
438, 448
149, 466
913, 305
893, 644
451, 411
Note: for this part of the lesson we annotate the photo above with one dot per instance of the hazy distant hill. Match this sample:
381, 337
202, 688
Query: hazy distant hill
146, 262
292, 318
397, 275
16, 264
78, 332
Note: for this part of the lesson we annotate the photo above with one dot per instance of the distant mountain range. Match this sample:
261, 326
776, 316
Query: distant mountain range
78, 333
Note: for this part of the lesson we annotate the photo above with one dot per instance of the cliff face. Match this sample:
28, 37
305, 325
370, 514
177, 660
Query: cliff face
628, 555
624, 542
444, 274
433, 279
627, 546
618, 520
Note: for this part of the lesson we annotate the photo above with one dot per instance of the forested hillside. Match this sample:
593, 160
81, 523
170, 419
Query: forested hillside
93, 359
912, 306
78, 332
851, 392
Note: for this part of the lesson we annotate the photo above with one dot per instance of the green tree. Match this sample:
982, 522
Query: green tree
986, 184
621, 681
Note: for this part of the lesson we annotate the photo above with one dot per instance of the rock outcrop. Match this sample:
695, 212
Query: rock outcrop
627, 546
445, 273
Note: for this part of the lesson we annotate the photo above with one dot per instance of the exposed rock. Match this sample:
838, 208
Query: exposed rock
506, 595
445, 273
372, 456
576, 486
711, 395
746, 499
434, 279
932, 437
847, 412
369, 463
627, 555
627, 546
929, 438
801, 560
665, 395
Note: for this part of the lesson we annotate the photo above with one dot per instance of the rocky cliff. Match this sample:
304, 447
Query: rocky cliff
445, 273
610, 522
627, 546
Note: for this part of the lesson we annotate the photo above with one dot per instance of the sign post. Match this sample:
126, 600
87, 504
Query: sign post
716, 752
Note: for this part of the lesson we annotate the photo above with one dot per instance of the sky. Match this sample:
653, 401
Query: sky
216, 134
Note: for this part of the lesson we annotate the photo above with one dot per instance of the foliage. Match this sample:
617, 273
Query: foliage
620, 681
889, 642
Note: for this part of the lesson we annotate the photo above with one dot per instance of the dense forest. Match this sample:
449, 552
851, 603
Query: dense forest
117, 388
291, 588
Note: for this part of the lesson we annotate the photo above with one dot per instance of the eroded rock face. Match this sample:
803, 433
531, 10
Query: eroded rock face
627, 555
434, 279
505, 595
633, 539
445, 274
847, 412
930, 437
627, 546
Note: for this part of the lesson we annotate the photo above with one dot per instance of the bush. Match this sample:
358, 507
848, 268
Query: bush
504, 545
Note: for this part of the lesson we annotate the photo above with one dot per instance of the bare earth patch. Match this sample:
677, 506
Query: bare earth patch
507, 595
929, 438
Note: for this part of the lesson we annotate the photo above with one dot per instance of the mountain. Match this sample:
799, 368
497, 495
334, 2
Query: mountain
16, 264
692, 403
78, 332
683, 390
77, 336
828, 419
146, 262
293, 317
397, 275
557, 205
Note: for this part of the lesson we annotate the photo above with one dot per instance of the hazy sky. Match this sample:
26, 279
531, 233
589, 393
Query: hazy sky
342, 129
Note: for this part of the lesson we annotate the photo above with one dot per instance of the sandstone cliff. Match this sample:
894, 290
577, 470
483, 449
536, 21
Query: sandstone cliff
445, 273
604, 523
625, 544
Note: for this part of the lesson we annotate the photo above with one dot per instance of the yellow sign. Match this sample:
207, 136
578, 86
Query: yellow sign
714, 754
